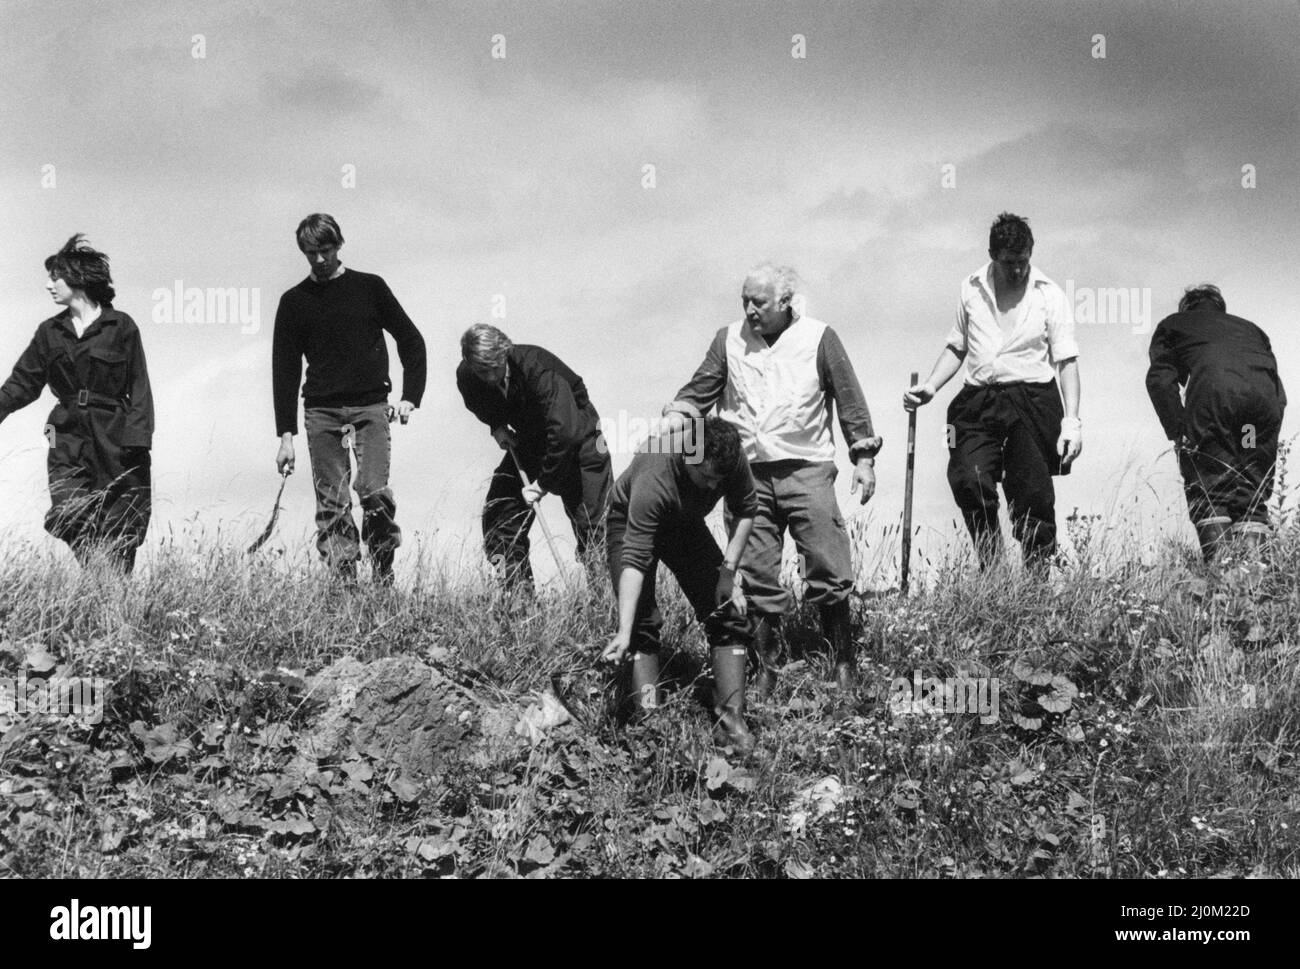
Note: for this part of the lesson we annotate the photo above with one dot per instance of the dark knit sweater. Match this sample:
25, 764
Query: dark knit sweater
339, 325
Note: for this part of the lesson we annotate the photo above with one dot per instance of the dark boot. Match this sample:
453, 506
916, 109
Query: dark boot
988, 549
1212, 534
645, 682
729, 699
835, 627
767, 655
344, 573
381, 564
1250, 538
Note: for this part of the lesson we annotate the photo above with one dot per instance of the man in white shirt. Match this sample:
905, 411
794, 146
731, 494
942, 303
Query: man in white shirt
773, 374
1015, 334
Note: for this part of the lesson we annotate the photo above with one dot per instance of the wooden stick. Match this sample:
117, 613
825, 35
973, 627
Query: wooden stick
907, 492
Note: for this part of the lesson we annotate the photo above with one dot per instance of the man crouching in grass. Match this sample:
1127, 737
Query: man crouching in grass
657, 515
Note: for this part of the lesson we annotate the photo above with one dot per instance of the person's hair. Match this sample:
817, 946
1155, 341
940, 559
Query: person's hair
484, 345
1204, 296
721, 444
83, 268
317, 231
784, 280
1010, 232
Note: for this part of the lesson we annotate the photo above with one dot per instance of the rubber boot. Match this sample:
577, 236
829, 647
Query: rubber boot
1250, 537
835, 627
1212, 534
729, 699
645, 683
767, 654
381, 565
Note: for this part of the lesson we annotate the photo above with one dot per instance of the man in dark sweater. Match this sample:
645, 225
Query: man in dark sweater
336, 318
1226, 431
539, 413
657, 515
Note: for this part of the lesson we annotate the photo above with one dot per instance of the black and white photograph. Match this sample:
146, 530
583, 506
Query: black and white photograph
586, 439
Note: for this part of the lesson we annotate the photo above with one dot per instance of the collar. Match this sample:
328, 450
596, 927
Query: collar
337, 273
754, 335
106, 315
984, 279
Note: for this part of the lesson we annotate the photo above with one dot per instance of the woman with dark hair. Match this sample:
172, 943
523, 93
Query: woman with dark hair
101, 430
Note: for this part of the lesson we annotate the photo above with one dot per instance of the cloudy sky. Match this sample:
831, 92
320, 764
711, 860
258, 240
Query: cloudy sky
519, 183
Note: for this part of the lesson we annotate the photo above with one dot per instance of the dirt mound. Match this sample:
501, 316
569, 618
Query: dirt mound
410, 714
406, 713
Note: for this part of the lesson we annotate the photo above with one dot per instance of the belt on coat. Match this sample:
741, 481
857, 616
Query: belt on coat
89, 398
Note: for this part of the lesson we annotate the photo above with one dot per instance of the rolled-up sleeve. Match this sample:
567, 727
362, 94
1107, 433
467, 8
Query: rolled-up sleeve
840, 383
1060, 327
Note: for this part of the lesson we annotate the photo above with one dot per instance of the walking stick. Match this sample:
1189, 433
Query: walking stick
275, 513
546, 529
907, 491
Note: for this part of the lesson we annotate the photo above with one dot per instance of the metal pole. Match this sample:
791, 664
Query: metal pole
907, 491
546, 529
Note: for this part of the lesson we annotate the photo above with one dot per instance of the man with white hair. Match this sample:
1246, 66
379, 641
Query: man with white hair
540, 414
774, 373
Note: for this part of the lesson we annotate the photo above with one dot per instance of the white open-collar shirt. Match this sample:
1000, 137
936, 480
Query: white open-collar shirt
1042, 337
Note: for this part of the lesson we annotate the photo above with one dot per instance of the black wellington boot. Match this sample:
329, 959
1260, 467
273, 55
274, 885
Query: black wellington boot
835, 627
729, 699
1212, 535
767, 652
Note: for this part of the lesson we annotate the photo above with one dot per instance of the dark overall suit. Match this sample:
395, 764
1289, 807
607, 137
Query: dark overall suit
99, 433
1227, 428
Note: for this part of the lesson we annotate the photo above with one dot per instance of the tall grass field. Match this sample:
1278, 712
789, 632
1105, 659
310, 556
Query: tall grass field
1147, 722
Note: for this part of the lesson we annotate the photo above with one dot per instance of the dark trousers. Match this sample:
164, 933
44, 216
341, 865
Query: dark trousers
331, 433
693, 557
100, 492
1006, 433
584, 487
1228, 461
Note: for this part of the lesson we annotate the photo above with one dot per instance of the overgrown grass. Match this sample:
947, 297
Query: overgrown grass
1147, 726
